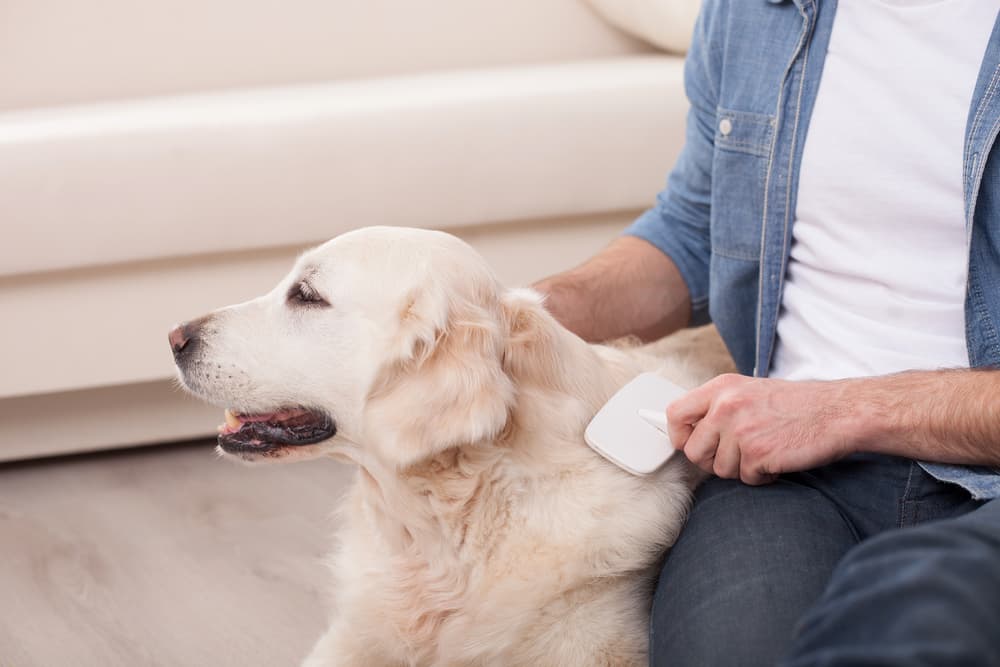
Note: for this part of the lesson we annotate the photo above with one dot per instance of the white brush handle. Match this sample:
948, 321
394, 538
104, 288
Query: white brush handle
655, 418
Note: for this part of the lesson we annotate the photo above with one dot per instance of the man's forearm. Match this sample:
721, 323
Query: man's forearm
758, 428
629, 288
950, 416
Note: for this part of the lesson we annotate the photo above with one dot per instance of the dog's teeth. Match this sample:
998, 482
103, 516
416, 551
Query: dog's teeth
232, 421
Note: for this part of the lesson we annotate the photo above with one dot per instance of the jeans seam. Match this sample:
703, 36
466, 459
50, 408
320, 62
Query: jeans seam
904, 500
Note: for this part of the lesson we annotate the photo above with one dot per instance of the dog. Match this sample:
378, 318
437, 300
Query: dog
480, 528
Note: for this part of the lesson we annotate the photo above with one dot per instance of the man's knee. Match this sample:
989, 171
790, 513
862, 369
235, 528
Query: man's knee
928, 594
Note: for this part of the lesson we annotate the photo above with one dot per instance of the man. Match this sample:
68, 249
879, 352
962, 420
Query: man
836, 212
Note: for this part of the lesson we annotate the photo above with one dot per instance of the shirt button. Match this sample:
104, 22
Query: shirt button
725, 127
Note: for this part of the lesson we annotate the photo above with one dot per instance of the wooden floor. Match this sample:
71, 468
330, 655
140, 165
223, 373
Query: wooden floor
163, 556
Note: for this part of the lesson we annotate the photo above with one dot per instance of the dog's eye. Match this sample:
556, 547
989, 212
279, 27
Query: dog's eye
303, 294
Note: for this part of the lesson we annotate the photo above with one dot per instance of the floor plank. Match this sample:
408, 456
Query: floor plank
163, 556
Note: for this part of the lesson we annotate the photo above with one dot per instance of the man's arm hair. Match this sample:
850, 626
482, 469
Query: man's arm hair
629, 288
948, 416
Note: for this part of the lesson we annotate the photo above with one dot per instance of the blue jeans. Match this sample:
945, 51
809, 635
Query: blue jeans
868, 561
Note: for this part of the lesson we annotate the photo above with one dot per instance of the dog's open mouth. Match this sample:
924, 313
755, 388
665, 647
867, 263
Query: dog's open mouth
261, 433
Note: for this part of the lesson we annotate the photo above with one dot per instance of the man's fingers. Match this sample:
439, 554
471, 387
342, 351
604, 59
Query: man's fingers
684, 413
679, 435
692, 406
755, 475
702, 445
758, 479
727, 459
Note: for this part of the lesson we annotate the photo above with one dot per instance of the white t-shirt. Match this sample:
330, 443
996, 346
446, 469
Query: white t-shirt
879, 259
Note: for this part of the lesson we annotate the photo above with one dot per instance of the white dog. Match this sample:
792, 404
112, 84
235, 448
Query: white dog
480, 530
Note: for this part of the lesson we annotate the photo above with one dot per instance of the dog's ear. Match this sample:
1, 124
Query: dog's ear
531, 348
447, 386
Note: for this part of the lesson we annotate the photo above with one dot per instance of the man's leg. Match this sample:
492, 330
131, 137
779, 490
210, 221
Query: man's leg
927, 595
749, 562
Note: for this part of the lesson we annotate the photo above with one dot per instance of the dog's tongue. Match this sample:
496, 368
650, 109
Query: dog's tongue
235, 421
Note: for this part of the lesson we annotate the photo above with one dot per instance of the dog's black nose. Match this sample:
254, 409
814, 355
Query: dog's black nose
184, 336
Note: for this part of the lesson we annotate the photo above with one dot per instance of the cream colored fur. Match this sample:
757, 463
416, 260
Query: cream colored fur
480, 530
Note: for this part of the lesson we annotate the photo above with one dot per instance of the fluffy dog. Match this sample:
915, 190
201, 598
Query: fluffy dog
480, 529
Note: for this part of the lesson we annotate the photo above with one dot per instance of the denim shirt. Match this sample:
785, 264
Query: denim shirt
725, 217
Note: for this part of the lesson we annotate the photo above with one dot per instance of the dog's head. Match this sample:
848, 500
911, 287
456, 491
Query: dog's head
391, 342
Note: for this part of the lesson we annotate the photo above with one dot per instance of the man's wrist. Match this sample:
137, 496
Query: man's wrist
859, 414
887, 412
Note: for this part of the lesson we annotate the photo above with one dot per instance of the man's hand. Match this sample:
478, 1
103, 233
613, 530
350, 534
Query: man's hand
754, 429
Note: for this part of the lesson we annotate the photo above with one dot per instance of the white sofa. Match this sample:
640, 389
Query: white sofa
158, 160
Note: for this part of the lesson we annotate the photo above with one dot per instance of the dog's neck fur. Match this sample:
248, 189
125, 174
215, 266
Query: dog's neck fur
428, 508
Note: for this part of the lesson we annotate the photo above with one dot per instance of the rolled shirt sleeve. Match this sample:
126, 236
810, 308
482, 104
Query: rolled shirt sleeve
679, 222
